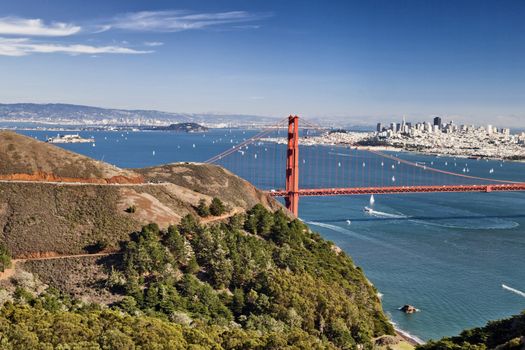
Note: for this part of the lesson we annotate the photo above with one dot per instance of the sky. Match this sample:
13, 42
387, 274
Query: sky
358, 61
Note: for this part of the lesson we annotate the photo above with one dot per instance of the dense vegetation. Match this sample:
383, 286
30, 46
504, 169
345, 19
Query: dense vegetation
504, 334
52, 321
5, 258
259, 281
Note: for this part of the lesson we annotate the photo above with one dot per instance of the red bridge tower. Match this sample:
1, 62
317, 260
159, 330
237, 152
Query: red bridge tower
292, 166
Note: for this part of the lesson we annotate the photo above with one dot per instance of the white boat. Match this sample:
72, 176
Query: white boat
348, 222
367, 210
372, 200
75, 138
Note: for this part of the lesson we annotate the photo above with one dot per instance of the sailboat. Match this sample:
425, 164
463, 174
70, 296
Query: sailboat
372, 200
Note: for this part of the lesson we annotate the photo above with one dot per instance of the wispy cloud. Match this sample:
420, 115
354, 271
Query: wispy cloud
25, 46
35, 27
153, 43
17, 35
176, 20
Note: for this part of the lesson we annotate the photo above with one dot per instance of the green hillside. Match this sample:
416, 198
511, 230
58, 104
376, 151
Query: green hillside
258, 281
503, 334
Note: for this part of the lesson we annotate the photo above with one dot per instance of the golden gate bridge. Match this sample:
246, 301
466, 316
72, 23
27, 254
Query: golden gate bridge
352, 170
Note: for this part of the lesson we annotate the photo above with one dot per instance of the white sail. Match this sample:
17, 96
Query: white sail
372, 200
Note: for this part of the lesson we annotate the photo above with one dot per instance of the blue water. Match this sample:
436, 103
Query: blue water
447, 254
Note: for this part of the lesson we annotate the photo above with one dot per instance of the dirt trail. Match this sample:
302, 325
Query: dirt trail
10, 272
231, 213
79, 183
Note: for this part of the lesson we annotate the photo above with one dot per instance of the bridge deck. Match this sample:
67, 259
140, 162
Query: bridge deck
402, 189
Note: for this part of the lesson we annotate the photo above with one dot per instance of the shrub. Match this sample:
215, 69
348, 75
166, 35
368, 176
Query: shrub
131, 209
202, 209
5, 258
217, 207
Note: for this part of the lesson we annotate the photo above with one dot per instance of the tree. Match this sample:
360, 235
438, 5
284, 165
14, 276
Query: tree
192, 267
5, 258
280, 232
236, 222
202, 209
238, 301
217, 207
188, 225
259, 220
176, 244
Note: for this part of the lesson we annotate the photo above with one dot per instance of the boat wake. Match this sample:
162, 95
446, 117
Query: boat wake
472, 223
382, 214
356, 235
331, 227
513, 290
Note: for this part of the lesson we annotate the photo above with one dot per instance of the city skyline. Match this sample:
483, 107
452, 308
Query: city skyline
360, 62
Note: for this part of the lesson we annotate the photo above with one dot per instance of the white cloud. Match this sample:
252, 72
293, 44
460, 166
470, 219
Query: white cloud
16, 33
24, 46
174, 21
35, 27
153, 43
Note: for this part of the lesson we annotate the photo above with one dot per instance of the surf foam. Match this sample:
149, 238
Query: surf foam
513, 290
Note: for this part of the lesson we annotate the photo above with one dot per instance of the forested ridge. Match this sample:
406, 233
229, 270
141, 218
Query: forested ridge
259, 281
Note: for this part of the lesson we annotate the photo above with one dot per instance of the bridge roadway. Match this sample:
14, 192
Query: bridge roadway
402, 189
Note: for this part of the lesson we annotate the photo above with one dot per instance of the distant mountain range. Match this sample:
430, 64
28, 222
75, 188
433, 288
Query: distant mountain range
68, 114
79, 115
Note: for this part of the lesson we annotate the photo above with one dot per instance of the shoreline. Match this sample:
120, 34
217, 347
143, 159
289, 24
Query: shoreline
409, 338
398, 149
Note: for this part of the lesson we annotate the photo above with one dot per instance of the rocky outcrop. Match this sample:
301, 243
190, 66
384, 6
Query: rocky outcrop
408, 309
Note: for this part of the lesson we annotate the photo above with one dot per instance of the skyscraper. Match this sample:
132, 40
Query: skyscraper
437, 121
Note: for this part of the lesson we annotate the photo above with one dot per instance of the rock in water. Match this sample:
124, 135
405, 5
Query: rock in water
408, 309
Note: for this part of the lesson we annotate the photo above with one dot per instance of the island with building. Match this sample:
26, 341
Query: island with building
179, 127
70, 138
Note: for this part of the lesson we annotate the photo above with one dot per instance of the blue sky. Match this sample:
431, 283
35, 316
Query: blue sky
360, 61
